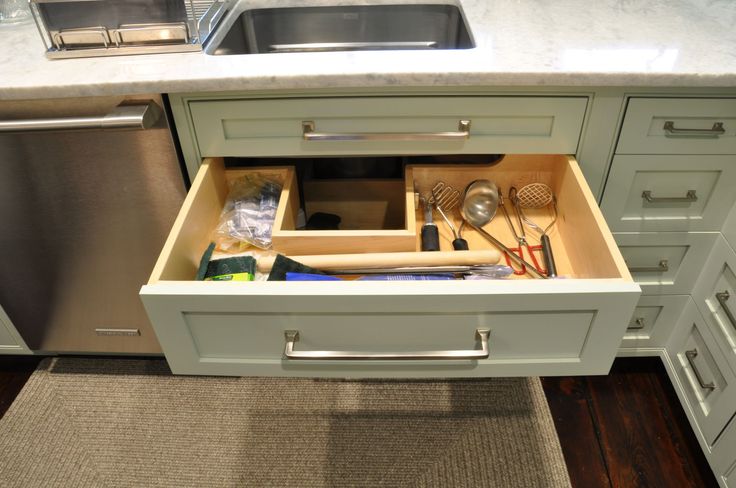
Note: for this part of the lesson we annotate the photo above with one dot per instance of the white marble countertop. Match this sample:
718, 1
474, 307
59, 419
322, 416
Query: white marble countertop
675, 43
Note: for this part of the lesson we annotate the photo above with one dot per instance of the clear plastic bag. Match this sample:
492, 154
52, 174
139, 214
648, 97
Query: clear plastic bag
249, 214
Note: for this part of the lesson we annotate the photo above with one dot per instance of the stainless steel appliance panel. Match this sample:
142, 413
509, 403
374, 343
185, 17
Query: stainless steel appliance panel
83, 216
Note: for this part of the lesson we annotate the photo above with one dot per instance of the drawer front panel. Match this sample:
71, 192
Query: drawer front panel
715, 296
664, 126
669, 193
530, 333
724, 455
521, 125
709, 386
666, 263
653, 320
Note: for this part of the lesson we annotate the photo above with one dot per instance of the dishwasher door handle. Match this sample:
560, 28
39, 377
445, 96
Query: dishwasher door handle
124, 116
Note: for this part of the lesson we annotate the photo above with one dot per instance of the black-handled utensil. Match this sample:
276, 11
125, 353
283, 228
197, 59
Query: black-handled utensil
430, 233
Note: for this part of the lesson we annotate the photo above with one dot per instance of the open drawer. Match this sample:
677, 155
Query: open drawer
513, 327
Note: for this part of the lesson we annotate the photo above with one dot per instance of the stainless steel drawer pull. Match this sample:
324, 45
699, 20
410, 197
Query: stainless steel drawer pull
640, 324
690, 196
292, 336
691, 355
124, 116
309, 134
715, 131
662, 267
722, 298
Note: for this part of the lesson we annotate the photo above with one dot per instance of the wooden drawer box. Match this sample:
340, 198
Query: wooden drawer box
563, 326
339, 126
665, 126
669, 193
665, 262
654, 319
709, 386
715, 296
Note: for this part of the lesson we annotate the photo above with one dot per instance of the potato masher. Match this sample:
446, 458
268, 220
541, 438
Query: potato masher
538, 195
445, 199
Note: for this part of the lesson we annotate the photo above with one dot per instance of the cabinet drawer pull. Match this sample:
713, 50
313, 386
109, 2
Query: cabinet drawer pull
715, 131
691, 355
292, 336
722, 298
640, 324
690, 196
309, 134
662, 267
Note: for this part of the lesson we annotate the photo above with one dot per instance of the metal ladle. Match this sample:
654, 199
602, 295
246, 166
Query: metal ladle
480, 203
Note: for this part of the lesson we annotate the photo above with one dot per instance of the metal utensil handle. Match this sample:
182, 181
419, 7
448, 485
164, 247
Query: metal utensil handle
292, 336
722, 298
715, 131
549, 259
142, 116
690, 196
309, 134
509, 252
660, 268
691, 355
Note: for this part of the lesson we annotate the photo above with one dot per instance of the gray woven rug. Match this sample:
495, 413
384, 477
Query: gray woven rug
130, 423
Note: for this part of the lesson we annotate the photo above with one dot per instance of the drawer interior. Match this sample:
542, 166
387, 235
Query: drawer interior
583, 247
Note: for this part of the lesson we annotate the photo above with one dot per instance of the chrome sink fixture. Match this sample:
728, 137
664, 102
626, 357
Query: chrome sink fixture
74, 29
345, 28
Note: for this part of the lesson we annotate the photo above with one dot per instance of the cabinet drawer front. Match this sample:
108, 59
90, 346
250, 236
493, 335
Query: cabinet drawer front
556, 326
669, 193
654, 318
708, 384
715, 296
723, 455
666, 263
229, 335
522, 125
665, 126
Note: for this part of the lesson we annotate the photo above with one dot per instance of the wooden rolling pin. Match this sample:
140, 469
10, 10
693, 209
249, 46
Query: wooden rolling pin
389, 259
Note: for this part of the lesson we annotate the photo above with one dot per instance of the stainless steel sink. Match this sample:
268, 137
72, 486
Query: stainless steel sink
346, 28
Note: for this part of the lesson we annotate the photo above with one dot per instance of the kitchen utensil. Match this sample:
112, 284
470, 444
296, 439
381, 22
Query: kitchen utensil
480, 203
463, 270
430, 233
538, 195
520, 236
446, 199
388, 260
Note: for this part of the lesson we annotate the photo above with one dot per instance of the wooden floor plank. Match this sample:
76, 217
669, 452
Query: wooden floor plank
568, 401
641, 447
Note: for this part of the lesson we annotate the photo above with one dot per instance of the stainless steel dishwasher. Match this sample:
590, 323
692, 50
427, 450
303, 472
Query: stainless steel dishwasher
89, 188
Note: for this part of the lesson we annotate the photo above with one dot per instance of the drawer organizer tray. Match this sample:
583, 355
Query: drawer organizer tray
570, 325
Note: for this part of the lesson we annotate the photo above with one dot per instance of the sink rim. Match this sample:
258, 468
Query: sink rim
244, 6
